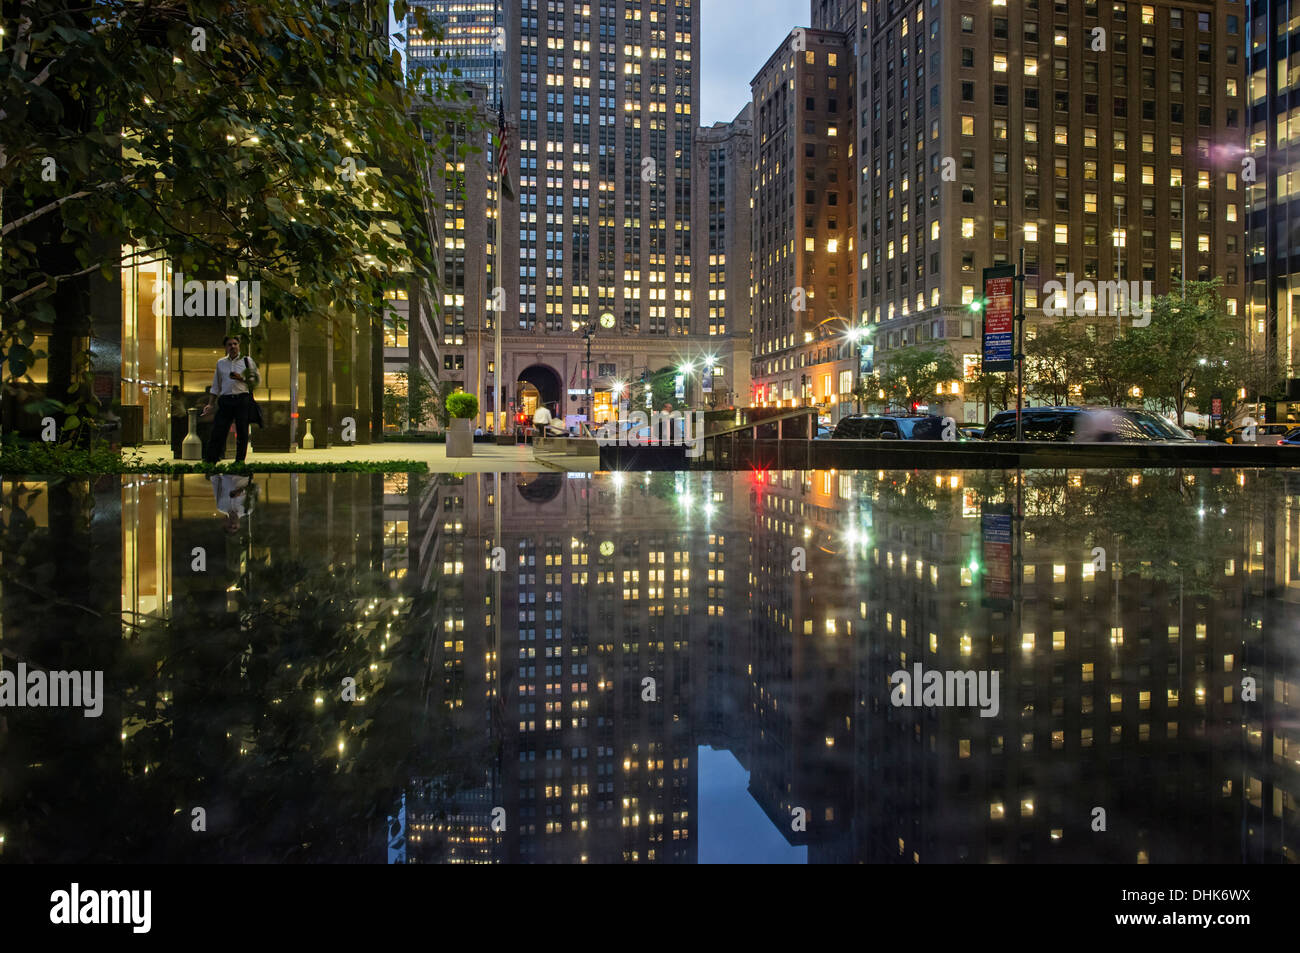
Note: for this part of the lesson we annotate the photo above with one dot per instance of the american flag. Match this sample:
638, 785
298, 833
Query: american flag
503, 152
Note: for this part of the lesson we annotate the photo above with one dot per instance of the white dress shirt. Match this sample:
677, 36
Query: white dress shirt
223, 385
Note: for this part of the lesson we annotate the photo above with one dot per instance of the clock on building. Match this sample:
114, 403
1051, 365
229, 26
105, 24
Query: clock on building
607, 320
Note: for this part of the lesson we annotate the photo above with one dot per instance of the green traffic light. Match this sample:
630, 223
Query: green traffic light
977, 306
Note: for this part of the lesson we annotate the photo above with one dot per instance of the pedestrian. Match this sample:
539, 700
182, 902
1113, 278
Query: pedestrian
541, 420
234, 401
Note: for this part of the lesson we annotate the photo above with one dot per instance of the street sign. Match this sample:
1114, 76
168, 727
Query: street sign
706, 380
681, 386
1216, 407
998, 565
999, 318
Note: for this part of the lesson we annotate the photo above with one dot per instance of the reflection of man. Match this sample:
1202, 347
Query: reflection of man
541, 420
234, 401
231, 495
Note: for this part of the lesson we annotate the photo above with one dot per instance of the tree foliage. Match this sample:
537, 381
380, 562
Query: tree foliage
273, 141
910, 374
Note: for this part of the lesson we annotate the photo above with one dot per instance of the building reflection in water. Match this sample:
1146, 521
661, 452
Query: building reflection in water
536, 659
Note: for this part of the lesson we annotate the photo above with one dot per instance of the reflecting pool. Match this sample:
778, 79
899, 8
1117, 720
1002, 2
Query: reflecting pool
655, 668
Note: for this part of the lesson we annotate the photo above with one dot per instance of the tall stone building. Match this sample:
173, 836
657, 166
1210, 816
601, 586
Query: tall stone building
1103, 139
803, 222
721, 232
603, 99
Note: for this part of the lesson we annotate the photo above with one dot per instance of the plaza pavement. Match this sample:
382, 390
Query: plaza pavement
487, 458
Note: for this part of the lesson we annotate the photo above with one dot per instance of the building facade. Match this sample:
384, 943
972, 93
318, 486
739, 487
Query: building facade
803, 296
721, 231
1105, 140
1273, 219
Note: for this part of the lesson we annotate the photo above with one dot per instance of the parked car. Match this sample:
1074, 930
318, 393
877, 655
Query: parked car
1266, 435
1086, 425
823, 432
889, 427
970, 433
1290, 439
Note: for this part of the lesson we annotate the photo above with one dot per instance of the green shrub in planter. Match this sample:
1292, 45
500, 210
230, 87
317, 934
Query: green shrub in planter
462, 406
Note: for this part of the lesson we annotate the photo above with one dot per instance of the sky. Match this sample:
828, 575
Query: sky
736, 38
732, 827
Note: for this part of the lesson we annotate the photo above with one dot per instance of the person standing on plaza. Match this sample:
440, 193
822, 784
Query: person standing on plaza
231, 391
541, 421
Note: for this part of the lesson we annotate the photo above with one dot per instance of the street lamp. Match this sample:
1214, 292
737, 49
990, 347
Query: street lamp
588, 329
857, 335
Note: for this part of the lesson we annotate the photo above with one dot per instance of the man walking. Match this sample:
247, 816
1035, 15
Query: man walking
234, 401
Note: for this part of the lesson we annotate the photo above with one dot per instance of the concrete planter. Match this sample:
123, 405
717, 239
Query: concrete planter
460, 438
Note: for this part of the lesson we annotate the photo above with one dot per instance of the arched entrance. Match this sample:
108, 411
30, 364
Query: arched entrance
538, 384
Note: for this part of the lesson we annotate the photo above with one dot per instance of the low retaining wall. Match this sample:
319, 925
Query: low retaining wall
733, 453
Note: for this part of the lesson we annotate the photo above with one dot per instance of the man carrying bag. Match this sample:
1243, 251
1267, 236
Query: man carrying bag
232, 390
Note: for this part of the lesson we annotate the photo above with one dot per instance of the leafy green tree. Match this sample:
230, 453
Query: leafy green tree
275, 140
1108, 371
422, 396
911, 374
440, 412
1186, 328
995, 389
1053, 368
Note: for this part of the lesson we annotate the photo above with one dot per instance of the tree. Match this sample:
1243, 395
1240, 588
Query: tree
910, 375
1053, 369
440, 411
1186, 329
422, 397
995, 389
276, 141
1244, 373
1107, 362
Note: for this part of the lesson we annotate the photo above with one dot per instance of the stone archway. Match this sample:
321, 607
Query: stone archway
545, 381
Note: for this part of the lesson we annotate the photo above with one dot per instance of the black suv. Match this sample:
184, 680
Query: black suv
1085, 425
889, 427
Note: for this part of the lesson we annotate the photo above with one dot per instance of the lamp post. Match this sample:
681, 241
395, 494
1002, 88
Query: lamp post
857, 335
588, 329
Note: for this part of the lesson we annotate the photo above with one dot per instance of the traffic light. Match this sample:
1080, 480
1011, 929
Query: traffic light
977, 306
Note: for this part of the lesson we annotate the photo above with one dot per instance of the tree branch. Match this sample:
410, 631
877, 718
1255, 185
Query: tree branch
32, 216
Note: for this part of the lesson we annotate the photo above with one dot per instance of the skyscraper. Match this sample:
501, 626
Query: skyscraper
721, 220
1273, 233
1103, 139
605, 96
471, 41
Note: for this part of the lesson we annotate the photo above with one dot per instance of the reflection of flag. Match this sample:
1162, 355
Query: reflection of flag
503, 153
573, 377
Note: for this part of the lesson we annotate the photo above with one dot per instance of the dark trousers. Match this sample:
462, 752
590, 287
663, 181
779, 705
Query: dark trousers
234, 408
180, 427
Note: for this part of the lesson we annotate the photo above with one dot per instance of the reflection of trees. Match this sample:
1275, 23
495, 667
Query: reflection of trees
1148, 520
218, 707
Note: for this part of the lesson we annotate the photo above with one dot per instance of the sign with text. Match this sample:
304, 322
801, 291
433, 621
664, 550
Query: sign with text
999, 318
998, 565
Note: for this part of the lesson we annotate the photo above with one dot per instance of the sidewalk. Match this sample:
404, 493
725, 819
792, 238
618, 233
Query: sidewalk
488, 457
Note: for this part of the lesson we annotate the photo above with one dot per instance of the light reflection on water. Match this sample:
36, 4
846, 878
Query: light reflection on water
568, 648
